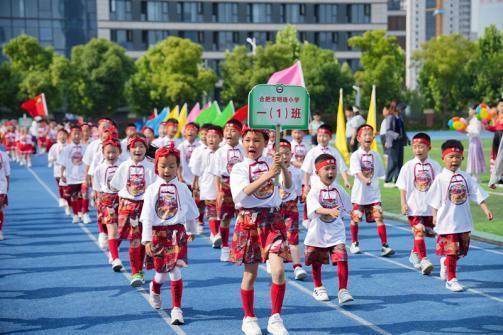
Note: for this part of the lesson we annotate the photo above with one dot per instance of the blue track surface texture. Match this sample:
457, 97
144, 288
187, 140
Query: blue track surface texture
55, 280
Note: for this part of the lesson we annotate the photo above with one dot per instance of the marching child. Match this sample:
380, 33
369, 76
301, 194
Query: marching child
326, 237
366, 166
86, 133
224, 159
160, 141
204, 181
260, 232
24, 146
448, 196
131, 180
4, 186
186, 149
52, 157
169, 215
149, 134
299, 147
9, 141
414, 181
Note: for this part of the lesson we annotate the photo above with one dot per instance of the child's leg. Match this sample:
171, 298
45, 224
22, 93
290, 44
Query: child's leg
419, 245
278, 283
85, 199
135, 256
224, 231
211, 215
175, 276
1, 218
295, 252
317, 275
159, 279
113, 240
247, 291
450, 264
342, 273
381, 231
353, 227
201, 206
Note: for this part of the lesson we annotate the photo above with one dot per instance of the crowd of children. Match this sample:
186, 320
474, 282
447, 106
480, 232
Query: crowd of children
157, 192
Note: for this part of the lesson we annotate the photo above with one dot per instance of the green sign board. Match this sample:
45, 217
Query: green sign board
286, 106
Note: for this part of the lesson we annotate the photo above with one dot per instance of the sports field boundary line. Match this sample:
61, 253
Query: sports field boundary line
162, 313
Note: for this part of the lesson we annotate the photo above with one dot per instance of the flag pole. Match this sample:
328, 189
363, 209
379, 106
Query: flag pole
45, 105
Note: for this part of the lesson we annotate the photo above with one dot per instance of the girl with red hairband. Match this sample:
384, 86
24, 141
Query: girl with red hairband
4, 186
130, 130
42, 138
9, 141
260, 231
452, 216
186, 149
107, 200
229, 154
414, 181
52, 158
169, 217
131, 180
325, 240
204, 182
73, 176
149, 134
24, 147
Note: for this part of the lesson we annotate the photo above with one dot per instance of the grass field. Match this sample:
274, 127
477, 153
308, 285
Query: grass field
391, 197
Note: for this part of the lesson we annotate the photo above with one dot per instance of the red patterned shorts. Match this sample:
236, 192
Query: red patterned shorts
372, 212
453, 244
317, 255
4, 201
225, 207
129, 219
426, 221
258, 232
290, 213
108, 208
170, 247
73, 192
211, 209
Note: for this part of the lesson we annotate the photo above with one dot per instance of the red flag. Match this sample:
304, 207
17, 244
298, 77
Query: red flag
36, 106
241, 114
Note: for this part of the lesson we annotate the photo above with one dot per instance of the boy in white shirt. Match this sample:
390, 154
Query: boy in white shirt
52, 157
414, 181
131, 180
366, 166
326, 237
4, 186
299, 147
161, 140
169, 215
230, 153
448, 197
186, 149
171, 126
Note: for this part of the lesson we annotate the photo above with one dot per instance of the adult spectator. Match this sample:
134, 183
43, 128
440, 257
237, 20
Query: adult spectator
354, 120
396, 139
313, 127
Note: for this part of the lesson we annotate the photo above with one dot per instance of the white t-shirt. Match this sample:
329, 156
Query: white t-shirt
415, 179
167, 204
308, 165
200, 166
370, 164
314, 125
299, 150
449, 194
92, 149
296, 175
132, 179
162, 142
225, 158
4, 171
103, 175
72, 159
247, 171
324, 231
353, 124
186, 150
53, 156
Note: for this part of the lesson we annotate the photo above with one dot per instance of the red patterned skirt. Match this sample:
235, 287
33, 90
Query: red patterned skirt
258, 232
108, 208
316, 255
372, 212
129, 219
73, 192
290, 213
211, 209
170, 248
225, 207
453, 244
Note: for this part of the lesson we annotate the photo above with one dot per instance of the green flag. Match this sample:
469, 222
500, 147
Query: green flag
226, 114
209, 114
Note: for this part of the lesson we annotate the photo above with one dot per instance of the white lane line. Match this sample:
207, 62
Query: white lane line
162, 313
495, 193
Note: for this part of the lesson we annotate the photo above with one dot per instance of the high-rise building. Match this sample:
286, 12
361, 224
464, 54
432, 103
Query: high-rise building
397, 20
485, 13
58, 23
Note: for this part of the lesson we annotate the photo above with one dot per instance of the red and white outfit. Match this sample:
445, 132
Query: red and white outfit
25, 144
288, 208
308, 165
71, 159
165, 141
42, 137
299, 150
198, 150
9, 141
4, 174
53, 157
186, 149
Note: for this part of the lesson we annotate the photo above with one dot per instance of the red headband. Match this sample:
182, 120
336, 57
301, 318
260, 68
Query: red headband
324, 131
165, 152
171, 123
284, 145
215, 131
450, 150
111, 141
131, 142
422, 141
145, 129
112, 132
191, 125
233, 125
364, 128
324, 163
264, 132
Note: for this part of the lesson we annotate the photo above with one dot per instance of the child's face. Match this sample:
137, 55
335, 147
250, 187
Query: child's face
111, 153
349, 114
316, 117
298, 135
85, 132
172, 130
500, 107
138, 152
231, 135
167, 167
327, 174
76, 136
286, 155
162, 130
272, 136
420, 150
452, 161
213, 141
323, 139
365, 138
254, 144
61, 137
190, 134
202, 135
130, 131
149, 134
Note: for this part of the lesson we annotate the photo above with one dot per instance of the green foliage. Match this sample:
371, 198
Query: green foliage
169, 73
237, 69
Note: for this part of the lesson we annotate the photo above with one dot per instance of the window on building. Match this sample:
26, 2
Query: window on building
262, 37
120, 10
394, 4
259, 13
122, 37
225, 40
326, 13
358, 13
190, 11
396, 23
44, 8
292, 13
154, 11
225, 12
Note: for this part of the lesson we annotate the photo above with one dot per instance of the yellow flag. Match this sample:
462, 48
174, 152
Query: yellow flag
372, 117
182, 119
340, 133
173, 114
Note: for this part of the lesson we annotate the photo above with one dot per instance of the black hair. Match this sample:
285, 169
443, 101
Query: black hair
131, 125
325, 126
349, 109
217, 128
452, 144
206, 126
283, 140
235, 122
323, 157
423, 136
363, 126
75, 127
110, 120
172, 120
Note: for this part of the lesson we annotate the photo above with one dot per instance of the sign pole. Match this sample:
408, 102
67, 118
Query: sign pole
276, 145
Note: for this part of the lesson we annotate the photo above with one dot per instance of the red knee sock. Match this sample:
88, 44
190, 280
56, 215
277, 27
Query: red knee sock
450, 263
101, 228
156, 287
297, 266
420, 248
354, 232
1, 220
85, 206
305, 210
342, 273
76, 206
113, 246
214, 225
225, 236
142, 256
381, 230
277, 296
247, 300
176, 292
135, 259
317, 275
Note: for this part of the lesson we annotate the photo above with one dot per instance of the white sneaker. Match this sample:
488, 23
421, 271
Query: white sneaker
355, 248
86, 219
443, 269
62, 202
1, 235
389, 185
414, 260
344, 296
217, 241
275, 325
454, 286
268, 266
224, 254
155, 300
250, 326
386, 251
200, 229
117, 265
320, 294
177, 316
68, 210
103, 241
299, 273
75, 219
80, 215
29, 164
426, 266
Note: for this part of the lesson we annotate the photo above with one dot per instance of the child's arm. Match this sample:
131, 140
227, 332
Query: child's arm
254, 186
345, 177
434, 212
486, 210
63, 178
8, 182
287, 178
403, 200
363, 179
333, 212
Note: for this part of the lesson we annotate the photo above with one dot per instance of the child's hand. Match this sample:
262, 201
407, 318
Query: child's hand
492, 186
405, 209
334, 212
191, 237
148, 249
63, 179
347, 184
489, 215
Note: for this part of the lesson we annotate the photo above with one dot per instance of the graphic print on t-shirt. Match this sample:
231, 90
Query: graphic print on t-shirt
457, 190
423, 176
329, 199
255, 171
367, 165
166, 205
234, 156
76, 155
136, 180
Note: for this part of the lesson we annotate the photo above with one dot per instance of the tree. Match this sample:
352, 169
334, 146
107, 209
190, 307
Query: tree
169, 73
237, 69
100, 69
383, 65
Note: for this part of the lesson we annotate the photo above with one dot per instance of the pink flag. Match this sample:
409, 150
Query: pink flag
292, 75
194, 113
